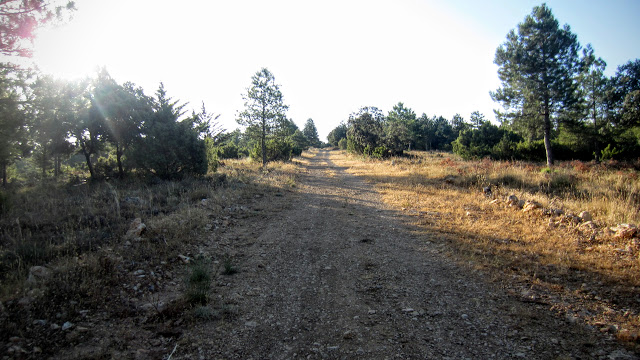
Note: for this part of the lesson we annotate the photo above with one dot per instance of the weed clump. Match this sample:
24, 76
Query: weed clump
199, 282
227, 266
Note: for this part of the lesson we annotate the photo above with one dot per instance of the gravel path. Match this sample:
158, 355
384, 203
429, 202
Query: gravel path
335, 273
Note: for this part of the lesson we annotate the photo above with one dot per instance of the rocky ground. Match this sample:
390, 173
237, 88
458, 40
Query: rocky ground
328, 271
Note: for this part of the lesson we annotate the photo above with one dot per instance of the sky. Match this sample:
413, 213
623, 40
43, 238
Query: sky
330, 57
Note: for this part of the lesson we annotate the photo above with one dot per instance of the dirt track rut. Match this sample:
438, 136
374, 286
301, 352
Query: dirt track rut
335, 273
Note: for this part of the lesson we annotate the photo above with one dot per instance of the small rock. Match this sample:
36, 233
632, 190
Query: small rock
585, 216
624, 231
185, 259
621, 355
67, 325
54, 326
142, 354
589, 224
530, 206
15, 339
251, 324
407, 310
138, 272
17, 350
38, 274
360, 351
133, 200
347, 335
372, 312
25, 301
136, 229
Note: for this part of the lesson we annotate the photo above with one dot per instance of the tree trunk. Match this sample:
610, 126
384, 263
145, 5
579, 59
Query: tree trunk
56, 166
264, 146
264, 136
595, 133
3, 168
87, 157
43, 164
547, 138
119, 160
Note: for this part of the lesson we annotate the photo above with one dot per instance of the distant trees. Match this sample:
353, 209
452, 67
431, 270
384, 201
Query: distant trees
122, 109
365, 132
371, 133
311, 133
593, 85
14, 140
397, 129
537, 67
263, 108
336, 135
114, 128
624, 95
170, 147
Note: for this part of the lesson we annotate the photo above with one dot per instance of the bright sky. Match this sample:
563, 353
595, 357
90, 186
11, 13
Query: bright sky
330, 57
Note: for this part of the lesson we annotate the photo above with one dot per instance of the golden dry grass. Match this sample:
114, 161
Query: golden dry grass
579, 269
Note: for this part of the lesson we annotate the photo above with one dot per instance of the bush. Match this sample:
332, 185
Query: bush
380, 152
531, 150
106, 167
277, 150
342, 144
608, 153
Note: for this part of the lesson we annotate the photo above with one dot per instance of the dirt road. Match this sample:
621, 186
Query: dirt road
335, 273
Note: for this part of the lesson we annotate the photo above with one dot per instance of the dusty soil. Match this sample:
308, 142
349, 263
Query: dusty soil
335, 273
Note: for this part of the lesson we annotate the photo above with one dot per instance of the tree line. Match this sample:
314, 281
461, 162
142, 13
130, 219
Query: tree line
115, 128
110, 130
557, 104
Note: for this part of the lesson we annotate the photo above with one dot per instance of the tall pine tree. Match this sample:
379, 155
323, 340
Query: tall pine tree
538, 66
263, 107
311, 133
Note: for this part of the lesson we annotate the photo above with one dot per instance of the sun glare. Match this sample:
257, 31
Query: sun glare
65, 54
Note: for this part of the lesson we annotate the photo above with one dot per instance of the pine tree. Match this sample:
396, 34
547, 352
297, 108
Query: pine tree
538, 67
311, 133
593, 84
264, 107
170, 148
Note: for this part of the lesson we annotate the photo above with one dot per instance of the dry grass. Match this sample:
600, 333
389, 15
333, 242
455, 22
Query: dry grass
79, 234
578, 269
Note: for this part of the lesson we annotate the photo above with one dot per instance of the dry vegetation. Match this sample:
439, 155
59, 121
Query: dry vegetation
581, 269
70, 253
